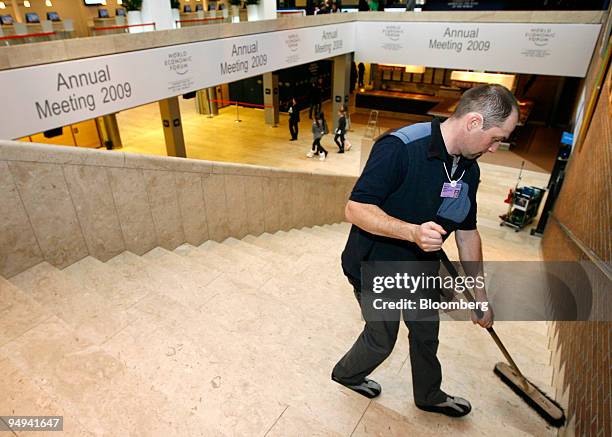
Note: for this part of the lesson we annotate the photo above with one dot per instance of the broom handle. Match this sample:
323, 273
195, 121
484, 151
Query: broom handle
453, 271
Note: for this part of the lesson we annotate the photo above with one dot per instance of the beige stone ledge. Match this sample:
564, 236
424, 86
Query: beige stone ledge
78, 48
66, 155
559, 17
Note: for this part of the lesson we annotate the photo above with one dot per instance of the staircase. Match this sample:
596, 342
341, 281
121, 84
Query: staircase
233, 339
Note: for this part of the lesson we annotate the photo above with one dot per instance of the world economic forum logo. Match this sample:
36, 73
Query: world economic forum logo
178, 61
540, 36
393, 32
293, 42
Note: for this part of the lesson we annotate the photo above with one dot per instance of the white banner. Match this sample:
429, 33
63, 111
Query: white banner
48, 96
533, 48
53, 95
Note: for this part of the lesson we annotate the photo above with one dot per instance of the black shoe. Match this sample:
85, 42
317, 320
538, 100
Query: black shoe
340, 151
368, 388
293, 139
454, 406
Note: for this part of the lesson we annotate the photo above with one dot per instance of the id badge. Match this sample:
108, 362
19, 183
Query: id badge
450, 190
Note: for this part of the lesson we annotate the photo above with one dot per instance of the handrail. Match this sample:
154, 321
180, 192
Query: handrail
291, 12
194, 20
125, 26
27, 35
235, 102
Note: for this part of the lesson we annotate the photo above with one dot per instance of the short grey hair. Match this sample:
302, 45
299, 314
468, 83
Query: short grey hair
494, 102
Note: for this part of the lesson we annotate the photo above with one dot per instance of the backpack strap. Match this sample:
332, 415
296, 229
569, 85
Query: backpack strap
412, 133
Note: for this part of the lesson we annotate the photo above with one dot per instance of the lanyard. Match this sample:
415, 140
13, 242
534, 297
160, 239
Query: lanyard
453, 182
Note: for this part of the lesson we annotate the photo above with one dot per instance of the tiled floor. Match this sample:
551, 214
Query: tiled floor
237, 339
253, 142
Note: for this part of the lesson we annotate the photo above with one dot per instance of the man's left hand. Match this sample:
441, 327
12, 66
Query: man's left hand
487, 319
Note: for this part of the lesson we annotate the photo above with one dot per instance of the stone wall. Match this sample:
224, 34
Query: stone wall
579, 230
62, 204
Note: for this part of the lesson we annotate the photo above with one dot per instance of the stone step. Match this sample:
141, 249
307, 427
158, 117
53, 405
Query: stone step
300, 242
19, 312
78, 302
256, 251
342, 227
233, 254
205, 258
185, 284
120, 289
311, 235
343, 231
182, 265
243, 271
271, 243
334, 238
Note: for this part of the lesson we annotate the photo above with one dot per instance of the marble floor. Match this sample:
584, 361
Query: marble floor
238, 338
251, 141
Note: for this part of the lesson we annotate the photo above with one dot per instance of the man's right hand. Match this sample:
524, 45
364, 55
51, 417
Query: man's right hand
428, 236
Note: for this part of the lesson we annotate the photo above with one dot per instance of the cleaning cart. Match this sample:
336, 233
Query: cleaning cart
524, 206
524, 203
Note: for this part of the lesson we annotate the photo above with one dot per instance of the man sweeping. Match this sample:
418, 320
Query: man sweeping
418, 186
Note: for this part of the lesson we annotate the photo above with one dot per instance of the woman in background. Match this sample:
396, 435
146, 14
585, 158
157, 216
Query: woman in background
294, 119
319, 129
341, 131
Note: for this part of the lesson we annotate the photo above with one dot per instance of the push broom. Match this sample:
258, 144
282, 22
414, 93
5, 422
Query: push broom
509, 372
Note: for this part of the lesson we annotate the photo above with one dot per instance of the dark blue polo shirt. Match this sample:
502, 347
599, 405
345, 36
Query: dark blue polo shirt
404, 177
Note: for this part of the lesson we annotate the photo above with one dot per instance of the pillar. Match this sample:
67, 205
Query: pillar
111, 128
271, 99
266, 10
206, 101
158, 12
16, 12
341, 83
173, 129
373, 78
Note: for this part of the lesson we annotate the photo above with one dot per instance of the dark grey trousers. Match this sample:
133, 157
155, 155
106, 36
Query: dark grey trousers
376, 343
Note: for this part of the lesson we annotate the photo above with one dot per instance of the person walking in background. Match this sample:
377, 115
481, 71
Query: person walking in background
361, 74
310, 7
315, 99
319, 129
294, 119
363, 6
324, 8
353, 76
341, 130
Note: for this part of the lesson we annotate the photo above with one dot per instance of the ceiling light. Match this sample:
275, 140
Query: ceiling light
26, 3
419, 69
119, 2
2, 5
48, 3
506, 80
